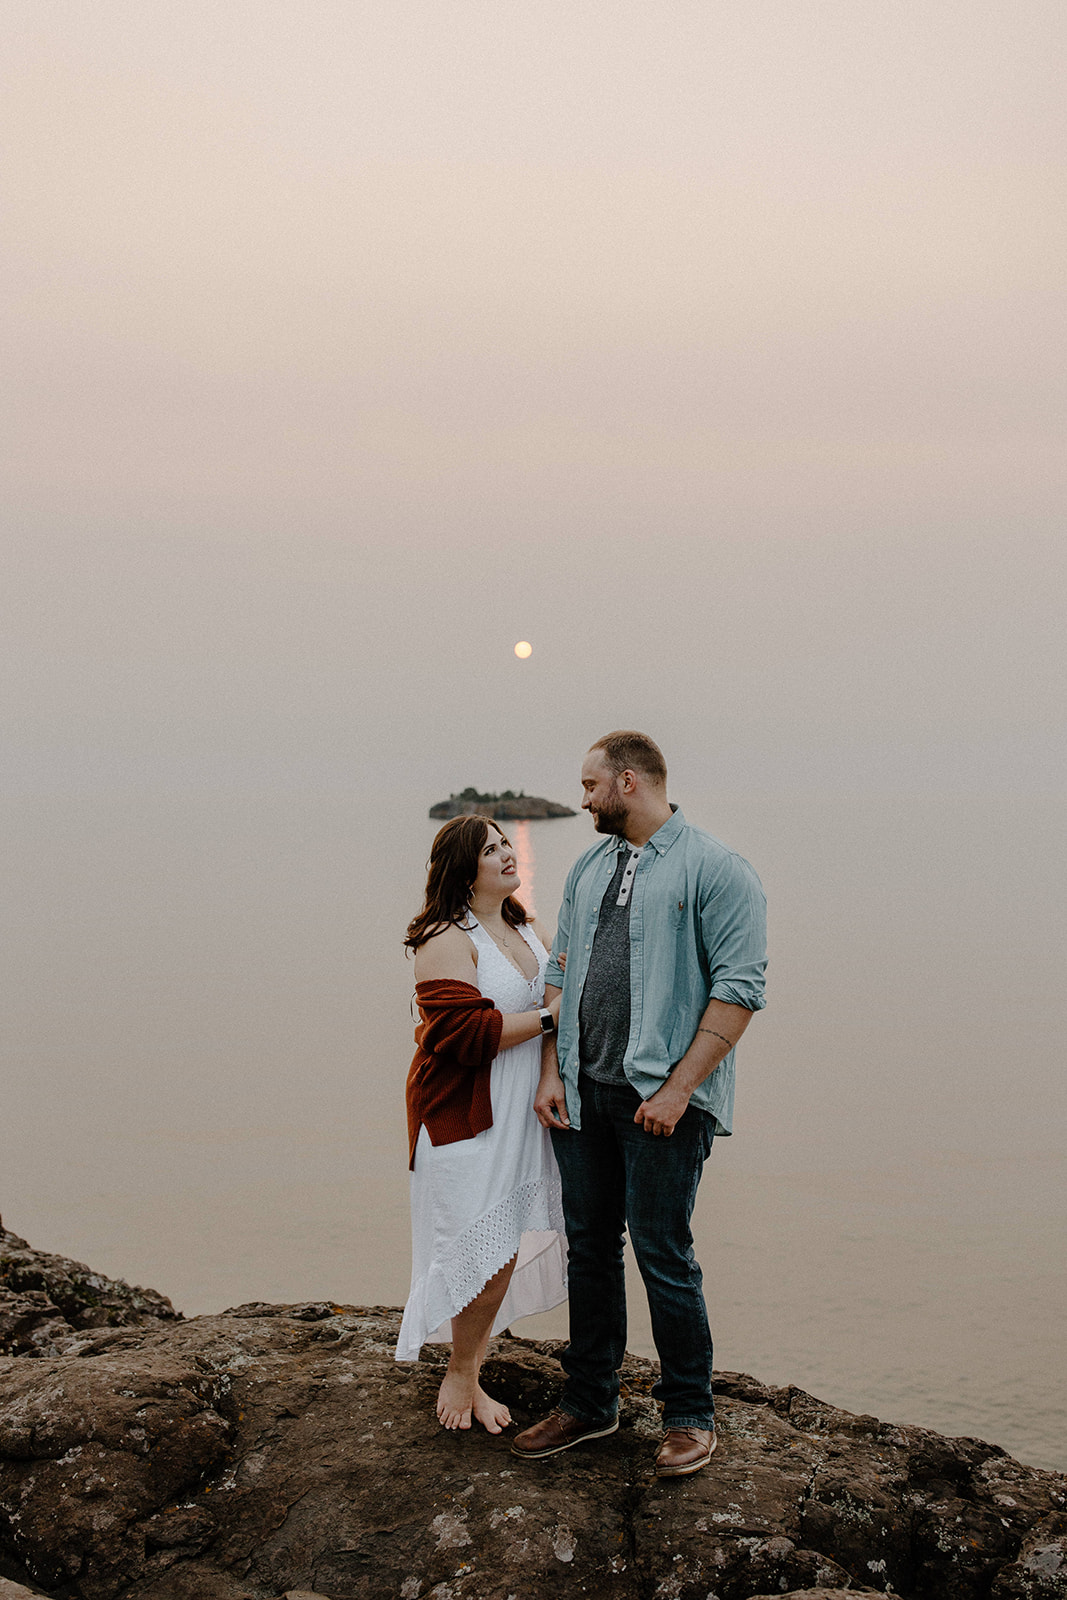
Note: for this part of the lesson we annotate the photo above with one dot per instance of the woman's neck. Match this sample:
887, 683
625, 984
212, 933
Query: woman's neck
489, 911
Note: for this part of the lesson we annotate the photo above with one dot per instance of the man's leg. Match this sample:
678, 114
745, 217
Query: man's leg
662, 1175
593, 1179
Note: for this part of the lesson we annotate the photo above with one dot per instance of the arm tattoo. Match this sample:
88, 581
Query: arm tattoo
727, 1042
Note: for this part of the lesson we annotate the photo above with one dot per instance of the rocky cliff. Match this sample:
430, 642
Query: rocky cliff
280, 1450
506, 807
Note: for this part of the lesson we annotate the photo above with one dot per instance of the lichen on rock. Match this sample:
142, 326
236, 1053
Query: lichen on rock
274, 1449
45, 1299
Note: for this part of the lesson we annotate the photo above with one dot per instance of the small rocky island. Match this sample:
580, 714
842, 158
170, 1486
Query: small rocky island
279, 1451
505, 807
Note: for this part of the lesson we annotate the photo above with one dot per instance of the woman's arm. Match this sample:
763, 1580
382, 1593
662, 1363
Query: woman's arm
522, 1025
450, 955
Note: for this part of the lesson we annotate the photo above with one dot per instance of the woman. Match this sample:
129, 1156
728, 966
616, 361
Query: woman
486, 1220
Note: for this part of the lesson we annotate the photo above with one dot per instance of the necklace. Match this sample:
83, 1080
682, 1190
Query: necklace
503, 943
504, 946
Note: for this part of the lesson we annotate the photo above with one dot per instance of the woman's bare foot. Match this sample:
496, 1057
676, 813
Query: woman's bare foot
492, 1414
455, 1399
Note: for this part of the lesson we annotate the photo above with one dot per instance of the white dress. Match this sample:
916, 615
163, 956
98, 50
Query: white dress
474, 1204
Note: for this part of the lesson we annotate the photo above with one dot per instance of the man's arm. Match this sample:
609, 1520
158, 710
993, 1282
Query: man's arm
558, 958
717, 1032
550, 1101
733, 931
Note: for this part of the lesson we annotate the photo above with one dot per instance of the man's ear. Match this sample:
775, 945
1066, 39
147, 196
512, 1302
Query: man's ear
627, 781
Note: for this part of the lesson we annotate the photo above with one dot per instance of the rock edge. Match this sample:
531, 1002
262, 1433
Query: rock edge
274, 1449
505, 808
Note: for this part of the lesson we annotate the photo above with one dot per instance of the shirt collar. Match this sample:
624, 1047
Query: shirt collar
663, 838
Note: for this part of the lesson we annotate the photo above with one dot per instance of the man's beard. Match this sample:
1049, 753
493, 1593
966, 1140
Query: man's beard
612, 817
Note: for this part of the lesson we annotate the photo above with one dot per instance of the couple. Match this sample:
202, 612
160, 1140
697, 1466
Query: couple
556, 1101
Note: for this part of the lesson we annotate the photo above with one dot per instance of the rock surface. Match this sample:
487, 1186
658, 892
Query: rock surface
504, 807
278, 1450
10, 1590
50, 1305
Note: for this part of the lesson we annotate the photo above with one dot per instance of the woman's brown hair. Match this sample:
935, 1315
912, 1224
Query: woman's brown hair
453, 867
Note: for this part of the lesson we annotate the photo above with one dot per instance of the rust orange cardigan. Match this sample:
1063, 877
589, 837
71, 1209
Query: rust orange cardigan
456, 1042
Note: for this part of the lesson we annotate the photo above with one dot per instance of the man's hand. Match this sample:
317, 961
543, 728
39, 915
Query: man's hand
663, 1111
717, 1032
550, 1101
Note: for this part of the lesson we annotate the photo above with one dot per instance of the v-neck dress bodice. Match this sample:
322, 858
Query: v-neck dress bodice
480, 1201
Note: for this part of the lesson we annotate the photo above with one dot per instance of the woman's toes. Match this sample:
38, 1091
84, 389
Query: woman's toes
454, 1402
450, 1417
493, 1416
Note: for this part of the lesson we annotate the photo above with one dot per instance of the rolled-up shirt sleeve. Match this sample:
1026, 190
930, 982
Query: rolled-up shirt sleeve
733, 919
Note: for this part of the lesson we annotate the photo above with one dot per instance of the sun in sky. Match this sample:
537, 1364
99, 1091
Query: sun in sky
523, 649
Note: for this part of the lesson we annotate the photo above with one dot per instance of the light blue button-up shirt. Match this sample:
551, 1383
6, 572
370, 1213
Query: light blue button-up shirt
697, 933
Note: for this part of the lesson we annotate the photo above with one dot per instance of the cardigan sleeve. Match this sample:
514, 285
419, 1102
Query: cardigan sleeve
458, 1022
456, 1042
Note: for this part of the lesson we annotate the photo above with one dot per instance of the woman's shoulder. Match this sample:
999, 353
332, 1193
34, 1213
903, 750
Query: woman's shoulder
543, 932
450, 953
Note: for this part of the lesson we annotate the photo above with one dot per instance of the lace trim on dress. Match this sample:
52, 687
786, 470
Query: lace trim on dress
494, 1239
489, 944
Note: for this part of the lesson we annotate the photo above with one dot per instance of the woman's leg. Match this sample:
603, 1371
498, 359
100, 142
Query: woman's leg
461, 1394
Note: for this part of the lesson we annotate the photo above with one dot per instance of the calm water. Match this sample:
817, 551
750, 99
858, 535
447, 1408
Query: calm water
207, 1031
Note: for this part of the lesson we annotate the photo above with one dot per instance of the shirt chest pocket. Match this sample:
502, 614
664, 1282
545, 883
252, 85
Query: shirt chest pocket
667, 927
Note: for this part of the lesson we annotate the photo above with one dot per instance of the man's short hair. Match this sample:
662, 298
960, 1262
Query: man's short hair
625, 748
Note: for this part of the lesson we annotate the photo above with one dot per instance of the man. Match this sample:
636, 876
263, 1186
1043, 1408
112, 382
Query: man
662, 938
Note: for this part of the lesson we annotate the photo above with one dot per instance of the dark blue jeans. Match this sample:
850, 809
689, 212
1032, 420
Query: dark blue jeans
617, 1176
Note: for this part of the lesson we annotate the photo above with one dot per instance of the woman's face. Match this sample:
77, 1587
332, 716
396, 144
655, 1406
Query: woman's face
497, 877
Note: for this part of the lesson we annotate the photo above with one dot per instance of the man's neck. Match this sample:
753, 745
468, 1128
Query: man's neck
642, 824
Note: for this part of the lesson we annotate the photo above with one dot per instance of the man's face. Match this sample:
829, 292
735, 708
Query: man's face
602, 797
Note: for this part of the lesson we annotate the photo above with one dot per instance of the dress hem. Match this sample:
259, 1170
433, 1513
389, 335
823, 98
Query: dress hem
539, 1283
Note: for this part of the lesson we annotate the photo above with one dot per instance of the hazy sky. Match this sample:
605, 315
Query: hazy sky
717, 349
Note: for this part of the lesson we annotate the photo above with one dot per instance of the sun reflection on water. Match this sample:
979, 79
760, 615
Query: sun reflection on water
525, 861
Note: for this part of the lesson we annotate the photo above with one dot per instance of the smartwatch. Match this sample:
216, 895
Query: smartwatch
547, 1024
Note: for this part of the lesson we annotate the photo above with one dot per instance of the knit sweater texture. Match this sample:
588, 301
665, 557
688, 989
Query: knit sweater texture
456, 1042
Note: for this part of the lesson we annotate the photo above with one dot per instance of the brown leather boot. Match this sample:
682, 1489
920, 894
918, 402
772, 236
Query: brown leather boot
556, 1432
685, 1450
